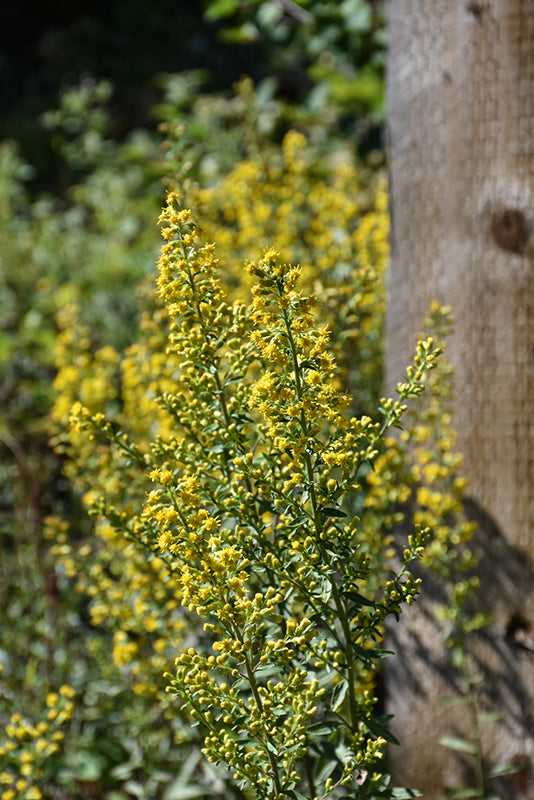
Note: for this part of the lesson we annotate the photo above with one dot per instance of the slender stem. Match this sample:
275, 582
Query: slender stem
259, 705
309, 774
475, 729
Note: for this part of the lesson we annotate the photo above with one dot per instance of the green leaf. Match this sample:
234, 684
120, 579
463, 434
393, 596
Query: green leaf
135, 788
266, 505
322, 729
465, 792
178, 790
339, 695
221, 8
332, 512
456, 743
450, 702
242, 34
241, 417
359, 599
489, 716
357, 15
297, 522
273, 749
380, 653
363, 655
397, 792
7, 347
380, 730
319, 617
87, 766
326, 589
327, 751
504, 769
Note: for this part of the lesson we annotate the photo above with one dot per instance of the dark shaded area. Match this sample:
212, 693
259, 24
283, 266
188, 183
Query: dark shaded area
502, 652
129, 42
51, 47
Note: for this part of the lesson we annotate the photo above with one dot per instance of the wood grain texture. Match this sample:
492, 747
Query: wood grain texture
461, 130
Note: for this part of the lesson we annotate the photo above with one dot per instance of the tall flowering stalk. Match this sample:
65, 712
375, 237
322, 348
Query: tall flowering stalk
253, 512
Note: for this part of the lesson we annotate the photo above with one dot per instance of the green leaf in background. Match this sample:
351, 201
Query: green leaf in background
87, 765
357, 15
399, 793
504, 769
220, 9
456, 743
244, 34
489, 716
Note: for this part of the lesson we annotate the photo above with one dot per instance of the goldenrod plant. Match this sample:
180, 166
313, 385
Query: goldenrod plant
27, 747
235, 507
344, 264
114, 574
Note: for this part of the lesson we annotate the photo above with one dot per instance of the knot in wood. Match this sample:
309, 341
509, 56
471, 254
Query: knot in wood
476, 8
510, 229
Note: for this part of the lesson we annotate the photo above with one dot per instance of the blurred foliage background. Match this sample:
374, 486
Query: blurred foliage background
102, 107
322, 54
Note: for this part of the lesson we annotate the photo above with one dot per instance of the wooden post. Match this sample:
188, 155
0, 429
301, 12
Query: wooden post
461, 129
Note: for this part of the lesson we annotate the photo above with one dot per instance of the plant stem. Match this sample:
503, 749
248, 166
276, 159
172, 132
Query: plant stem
480, 776
259, 705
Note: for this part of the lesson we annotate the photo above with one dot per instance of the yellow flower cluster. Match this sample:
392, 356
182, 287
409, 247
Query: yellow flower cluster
420, 470
226, 474
26, 746
317, 215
